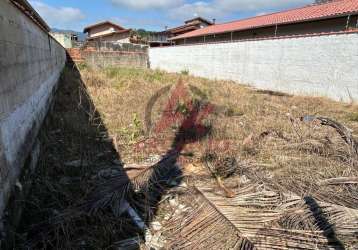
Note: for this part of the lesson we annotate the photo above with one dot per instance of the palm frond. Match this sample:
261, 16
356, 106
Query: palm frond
274, 220
115, 191
341, 220
204, 227
342, 130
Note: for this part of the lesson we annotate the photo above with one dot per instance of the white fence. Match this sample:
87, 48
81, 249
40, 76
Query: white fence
316, 65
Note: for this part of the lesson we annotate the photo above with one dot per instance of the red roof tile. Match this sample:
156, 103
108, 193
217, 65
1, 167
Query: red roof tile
307, 13
183, 28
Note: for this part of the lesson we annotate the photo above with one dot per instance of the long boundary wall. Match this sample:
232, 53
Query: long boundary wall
323, 65
30, 66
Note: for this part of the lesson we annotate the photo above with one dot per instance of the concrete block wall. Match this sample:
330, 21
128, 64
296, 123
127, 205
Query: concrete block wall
31, 62
105, 59
111, 55
313, 65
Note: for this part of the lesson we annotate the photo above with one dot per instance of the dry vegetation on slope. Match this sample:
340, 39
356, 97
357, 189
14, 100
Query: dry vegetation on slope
265, 172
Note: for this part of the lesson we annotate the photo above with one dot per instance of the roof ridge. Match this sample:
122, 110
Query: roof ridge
103, 22
198, 17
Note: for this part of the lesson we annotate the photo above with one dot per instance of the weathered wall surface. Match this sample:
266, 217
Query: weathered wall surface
111, 55
30, 65
105, 59
316, 65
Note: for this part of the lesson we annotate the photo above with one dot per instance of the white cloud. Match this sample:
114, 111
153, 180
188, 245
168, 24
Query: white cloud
190, 10
59, 17
148, 4
140, 22
261, 13
222, 8
255, 5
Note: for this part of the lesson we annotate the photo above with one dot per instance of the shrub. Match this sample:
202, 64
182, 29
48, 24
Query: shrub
185, 72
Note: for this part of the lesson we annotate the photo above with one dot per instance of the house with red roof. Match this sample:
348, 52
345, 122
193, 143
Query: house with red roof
158, 39
108, 32
190, 25
334, 16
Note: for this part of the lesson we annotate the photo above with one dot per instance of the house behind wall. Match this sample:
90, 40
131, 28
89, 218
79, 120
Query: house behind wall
159, 39
337, 16
67, 40
113, 38
108, 32
307, 28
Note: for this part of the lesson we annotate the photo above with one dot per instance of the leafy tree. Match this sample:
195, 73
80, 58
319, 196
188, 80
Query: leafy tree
143, 33
323, 1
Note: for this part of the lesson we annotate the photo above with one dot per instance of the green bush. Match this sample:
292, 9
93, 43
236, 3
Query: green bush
82, 66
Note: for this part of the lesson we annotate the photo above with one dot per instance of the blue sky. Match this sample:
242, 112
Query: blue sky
152, 14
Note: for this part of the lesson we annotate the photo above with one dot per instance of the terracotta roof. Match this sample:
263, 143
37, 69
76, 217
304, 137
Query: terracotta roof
189, 25
307, 13
182, 28
86, 29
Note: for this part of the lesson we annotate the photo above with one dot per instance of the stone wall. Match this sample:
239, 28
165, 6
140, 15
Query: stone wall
31, 62
312, 65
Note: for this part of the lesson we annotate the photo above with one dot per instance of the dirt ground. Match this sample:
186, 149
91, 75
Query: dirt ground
205, 164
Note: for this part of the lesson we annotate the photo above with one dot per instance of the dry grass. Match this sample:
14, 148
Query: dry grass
121, 96
261, 128
76, 152
277, 152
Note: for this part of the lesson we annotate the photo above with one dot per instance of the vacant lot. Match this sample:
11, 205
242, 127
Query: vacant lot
201, 158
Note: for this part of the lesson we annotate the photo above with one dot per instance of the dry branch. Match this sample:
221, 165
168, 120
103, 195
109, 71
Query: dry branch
339, 181
114, 192
342, 130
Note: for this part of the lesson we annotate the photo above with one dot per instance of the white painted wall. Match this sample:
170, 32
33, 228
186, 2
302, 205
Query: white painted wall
102, 30
31, 62
315, 66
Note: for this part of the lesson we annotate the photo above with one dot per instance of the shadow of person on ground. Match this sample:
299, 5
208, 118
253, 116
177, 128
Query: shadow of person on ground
81, 191
142, 186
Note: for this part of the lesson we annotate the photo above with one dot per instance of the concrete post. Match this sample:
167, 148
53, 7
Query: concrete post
348, 20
